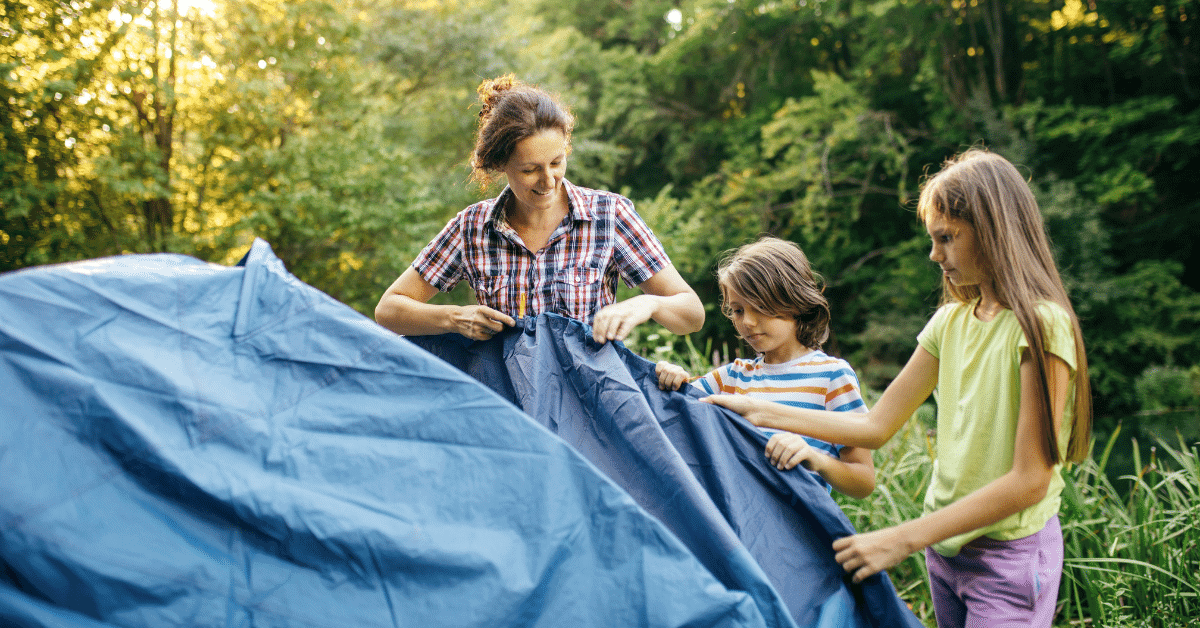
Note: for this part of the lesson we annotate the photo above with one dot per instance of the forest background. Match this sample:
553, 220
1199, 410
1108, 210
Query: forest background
339, 132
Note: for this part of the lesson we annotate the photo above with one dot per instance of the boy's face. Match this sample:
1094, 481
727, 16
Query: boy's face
772, 336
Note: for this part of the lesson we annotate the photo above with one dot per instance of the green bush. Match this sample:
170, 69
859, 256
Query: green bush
1168, 388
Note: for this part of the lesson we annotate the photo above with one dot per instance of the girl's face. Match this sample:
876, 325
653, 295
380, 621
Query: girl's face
536, 170
772, 336
954, 249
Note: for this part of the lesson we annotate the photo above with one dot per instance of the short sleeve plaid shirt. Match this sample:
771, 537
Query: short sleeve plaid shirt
575, 275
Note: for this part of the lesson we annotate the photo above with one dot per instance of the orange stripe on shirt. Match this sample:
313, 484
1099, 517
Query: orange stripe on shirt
812, 390
833, 394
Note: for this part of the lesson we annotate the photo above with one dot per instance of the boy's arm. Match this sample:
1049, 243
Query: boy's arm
852, 473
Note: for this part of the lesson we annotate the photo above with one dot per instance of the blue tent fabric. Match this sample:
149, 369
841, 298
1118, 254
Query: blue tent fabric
187, 444
697, 467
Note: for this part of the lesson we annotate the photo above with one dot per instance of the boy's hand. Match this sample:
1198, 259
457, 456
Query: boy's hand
785, 450
670, 377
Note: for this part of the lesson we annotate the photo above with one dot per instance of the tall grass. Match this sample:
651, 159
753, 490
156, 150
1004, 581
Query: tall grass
902, 473
1132, 547
1133, 556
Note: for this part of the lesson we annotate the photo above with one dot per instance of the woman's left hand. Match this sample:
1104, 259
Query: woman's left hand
864, 555
614, 322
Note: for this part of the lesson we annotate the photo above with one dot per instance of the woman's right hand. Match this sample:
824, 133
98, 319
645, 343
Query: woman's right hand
479, 322
670, 376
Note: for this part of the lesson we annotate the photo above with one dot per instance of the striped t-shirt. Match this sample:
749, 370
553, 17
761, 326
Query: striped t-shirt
816, 381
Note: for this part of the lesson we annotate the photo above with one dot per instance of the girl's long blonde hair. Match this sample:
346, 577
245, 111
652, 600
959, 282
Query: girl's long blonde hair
988, 192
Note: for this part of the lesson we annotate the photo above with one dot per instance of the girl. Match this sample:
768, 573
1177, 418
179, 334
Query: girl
770, 293
543, 244
1005, 355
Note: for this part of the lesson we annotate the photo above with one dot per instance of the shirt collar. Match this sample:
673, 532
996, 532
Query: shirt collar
579, 203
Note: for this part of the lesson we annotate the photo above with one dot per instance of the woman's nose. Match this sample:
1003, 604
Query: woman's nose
934, 253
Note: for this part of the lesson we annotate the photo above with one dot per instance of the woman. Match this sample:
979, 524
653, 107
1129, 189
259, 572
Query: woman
542, 245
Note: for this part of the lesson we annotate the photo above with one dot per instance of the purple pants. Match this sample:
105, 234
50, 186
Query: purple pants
994, 583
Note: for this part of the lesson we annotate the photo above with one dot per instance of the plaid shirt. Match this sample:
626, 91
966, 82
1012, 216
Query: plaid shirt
574, 275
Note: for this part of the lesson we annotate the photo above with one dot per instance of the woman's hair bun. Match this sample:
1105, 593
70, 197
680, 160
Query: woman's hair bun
491, 90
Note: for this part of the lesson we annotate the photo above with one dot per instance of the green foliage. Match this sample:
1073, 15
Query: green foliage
1132, 556
1137, 320
1168, 388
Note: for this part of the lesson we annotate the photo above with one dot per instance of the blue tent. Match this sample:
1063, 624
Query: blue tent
186, 444
698, 468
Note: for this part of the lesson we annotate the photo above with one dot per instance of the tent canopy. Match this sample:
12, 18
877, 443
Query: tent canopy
187, 444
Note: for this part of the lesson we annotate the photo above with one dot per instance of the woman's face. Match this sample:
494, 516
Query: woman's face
536, 170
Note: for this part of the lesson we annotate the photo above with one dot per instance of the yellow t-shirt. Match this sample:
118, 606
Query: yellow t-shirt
978, 398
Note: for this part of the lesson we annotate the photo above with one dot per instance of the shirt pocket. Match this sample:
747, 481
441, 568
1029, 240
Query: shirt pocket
492, 291
579, 292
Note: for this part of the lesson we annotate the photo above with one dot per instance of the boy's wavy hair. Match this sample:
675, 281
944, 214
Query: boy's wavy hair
987, 192
775, 278
510, 111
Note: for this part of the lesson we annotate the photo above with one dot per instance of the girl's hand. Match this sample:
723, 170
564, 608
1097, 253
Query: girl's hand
785, 450
864, 555
670, 376
615, 321
741, 404
479, 322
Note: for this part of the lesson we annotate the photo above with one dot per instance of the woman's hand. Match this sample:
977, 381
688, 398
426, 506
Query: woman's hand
479, 322
785, 450
615, 321
866, 554
670, 376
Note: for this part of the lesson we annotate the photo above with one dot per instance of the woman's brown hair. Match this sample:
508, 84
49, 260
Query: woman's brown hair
509, 112
987, 192
775, 278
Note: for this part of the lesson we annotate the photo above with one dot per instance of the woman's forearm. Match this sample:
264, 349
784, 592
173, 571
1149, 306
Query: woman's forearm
681, 313
409, 317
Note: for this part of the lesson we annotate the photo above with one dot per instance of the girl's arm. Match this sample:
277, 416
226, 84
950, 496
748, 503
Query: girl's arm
403, 309
868, 430
1023, 486
851, 473
666, 298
